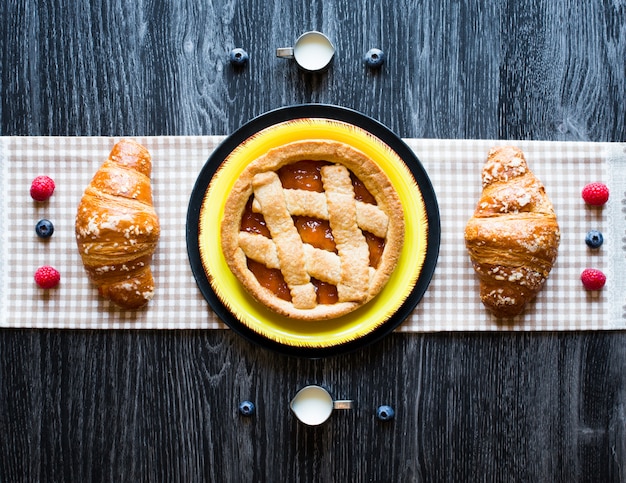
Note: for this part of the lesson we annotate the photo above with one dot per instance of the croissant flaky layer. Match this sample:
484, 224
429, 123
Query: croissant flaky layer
513, 236
117, 228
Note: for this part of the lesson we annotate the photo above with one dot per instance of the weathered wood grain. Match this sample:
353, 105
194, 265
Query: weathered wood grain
162, 406
531, 69
141, 406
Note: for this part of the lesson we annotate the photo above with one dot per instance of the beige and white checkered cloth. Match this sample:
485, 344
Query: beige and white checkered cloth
450, 304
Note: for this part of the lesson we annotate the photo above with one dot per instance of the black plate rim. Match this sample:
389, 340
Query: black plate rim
323, 111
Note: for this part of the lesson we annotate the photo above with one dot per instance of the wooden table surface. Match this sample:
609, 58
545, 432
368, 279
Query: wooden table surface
162, 405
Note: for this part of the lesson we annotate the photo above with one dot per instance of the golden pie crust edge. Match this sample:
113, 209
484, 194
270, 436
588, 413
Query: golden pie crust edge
370, 174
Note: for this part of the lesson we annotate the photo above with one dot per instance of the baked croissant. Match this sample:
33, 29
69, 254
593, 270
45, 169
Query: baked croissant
513, 236
117, 228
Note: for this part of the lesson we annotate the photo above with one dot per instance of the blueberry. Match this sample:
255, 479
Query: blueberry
239, 57
385, 413
594, 239
374, 58
44, 228
246, 408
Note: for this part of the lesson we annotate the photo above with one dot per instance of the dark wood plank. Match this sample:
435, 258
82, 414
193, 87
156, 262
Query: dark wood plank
123, 406
162, 406
539, 70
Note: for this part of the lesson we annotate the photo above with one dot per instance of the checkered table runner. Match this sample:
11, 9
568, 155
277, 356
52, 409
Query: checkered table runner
450, 304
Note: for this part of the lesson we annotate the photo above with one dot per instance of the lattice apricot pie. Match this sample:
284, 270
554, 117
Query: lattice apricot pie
313, 229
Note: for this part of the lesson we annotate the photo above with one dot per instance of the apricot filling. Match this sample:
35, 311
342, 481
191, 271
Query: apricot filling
270, 278
306, 175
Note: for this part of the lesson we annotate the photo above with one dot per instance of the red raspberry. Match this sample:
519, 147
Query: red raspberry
593, 279
595, 194
42, 188
47, 277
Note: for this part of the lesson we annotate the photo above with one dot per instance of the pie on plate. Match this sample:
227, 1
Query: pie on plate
312, 229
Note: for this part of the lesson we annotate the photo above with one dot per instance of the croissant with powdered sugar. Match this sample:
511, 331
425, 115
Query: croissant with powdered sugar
117, 227
513, 236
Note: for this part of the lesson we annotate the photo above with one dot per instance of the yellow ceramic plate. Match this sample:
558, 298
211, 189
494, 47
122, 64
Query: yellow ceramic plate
252, 318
